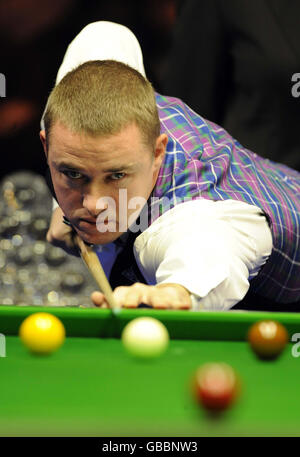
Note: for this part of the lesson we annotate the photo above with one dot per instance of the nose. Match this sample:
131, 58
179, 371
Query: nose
92, 203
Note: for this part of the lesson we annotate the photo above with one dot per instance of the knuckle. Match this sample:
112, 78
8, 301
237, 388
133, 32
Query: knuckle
52, 236
139, 286
49, 236
120, 289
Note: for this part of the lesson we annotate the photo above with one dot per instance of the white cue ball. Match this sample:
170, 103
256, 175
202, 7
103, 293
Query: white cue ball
145, 337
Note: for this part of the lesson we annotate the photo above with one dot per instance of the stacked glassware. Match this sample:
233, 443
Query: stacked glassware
32, 272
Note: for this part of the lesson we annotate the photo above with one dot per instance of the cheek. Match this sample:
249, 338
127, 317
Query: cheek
154, 175
55, 176
141, 187
57, 184
67, 197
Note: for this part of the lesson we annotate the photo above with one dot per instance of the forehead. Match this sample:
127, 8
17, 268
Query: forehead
85, 149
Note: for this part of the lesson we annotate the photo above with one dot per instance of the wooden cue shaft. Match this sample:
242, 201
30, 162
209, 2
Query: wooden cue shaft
94, 265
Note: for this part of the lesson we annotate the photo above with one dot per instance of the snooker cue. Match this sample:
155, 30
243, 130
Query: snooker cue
93, 263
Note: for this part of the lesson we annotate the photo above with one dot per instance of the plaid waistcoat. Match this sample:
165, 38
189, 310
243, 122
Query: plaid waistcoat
204, 161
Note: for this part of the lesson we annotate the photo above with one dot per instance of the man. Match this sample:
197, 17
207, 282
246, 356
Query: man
180, 214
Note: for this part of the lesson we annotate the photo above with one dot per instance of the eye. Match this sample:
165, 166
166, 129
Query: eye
116, 176
72, 174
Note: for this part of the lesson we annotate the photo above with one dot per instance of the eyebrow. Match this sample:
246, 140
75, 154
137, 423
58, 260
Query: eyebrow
115, 169
125, 167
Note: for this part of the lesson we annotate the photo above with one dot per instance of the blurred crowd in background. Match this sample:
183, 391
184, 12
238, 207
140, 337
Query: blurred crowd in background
231, 60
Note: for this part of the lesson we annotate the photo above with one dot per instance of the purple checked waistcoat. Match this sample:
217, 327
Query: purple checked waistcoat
204, 161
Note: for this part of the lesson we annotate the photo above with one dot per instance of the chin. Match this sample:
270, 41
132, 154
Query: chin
98, 238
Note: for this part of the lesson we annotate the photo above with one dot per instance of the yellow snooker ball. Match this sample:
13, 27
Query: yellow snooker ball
42, 333
145, 337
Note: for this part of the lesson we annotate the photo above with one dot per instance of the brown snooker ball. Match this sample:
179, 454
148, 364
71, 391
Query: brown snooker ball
216, 386
267, 338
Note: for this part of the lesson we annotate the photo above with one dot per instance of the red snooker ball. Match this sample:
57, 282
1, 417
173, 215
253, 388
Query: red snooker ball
268, 338
217, 386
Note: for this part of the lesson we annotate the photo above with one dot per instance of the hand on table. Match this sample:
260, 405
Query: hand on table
161, 296
60, 234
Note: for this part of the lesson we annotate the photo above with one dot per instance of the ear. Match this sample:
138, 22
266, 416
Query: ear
44, 142
160, 149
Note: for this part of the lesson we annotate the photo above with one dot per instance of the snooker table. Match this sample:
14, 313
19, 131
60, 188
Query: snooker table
92, 387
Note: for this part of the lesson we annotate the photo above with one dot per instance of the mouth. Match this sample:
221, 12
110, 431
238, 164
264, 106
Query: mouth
85, 224
89, 221
91, 224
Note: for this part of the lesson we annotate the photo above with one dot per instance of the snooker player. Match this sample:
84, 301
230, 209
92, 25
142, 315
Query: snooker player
180, 214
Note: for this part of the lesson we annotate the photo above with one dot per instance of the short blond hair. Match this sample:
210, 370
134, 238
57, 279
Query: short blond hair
102, 97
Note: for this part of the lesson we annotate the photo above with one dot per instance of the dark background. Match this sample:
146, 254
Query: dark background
34, 36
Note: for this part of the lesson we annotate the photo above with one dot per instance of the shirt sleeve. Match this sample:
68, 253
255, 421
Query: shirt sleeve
210, 248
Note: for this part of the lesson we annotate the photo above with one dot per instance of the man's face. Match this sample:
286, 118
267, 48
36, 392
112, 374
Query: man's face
85, 169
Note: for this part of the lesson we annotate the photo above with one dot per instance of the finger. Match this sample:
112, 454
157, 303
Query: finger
159, 299
98, 298
58, 233
164, 299
181, 301
133, 296
181, 306
120, 294
175, 298
66, 244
